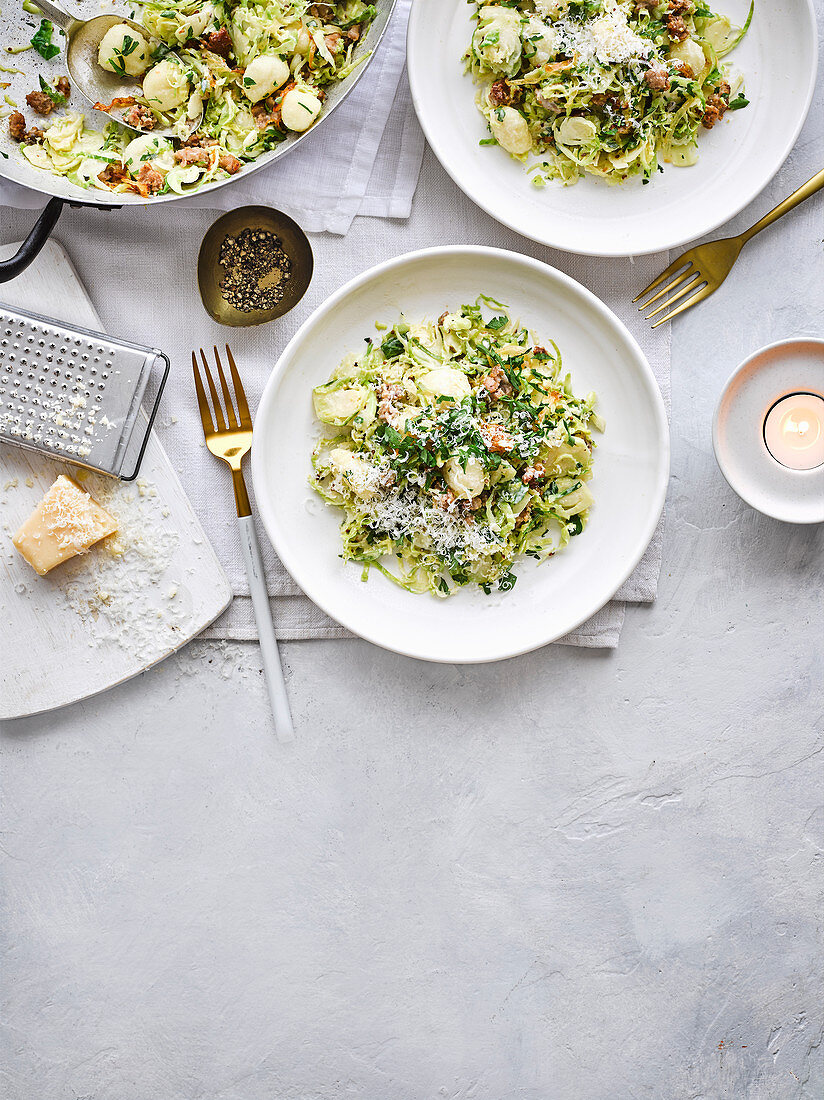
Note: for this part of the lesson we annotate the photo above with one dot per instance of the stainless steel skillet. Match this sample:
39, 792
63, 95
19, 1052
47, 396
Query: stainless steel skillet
16, 30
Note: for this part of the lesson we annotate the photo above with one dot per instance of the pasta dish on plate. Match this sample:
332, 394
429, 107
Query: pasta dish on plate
455, 448
608, 88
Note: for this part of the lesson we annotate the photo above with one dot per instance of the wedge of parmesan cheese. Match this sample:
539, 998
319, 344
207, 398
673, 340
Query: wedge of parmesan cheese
65, 523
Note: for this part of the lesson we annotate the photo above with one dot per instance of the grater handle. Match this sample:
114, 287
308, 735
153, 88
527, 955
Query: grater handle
152, 415
33, 244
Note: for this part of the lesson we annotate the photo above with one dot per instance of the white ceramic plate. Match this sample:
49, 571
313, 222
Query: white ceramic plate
738, 158
549, 599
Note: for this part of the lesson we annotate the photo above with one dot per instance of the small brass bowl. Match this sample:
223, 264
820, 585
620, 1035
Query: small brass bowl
210, 273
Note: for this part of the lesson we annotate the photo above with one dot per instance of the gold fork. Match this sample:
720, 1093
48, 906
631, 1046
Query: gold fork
704, 268
228, 432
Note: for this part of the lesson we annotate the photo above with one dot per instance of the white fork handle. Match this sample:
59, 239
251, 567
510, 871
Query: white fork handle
266, 630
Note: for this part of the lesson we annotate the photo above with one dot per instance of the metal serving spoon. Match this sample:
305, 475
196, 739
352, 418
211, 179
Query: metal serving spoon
98, 85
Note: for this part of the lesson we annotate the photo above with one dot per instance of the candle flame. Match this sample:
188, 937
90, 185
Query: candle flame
797, 427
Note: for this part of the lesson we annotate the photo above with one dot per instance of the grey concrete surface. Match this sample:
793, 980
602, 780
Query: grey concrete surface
575, 875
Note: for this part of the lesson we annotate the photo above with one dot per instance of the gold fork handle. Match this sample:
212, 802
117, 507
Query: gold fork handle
804, 192
241, 496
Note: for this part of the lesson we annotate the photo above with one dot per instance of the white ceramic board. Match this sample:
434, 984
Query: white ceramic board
101, 619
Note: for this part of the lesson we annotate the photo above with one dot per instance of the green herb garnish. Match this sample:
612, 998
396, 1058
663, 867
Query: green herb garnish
42, 41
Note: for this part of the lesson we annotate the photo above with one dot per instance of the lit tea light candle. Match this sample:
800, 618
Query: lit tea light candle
794, 431
768, 431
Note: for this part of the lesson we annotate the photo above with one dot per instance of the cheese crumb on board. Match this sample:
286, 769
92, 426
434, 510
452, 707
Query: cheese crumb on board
65, 523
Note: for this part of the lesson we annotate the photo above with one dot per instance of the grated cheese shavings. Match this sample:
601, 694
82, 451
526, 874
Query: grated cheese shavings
607, 39
404, 514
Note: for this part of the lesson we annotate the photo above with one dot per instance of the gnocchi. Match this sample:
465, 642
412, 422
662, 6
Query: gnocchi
123, 51
299, 109
166, 85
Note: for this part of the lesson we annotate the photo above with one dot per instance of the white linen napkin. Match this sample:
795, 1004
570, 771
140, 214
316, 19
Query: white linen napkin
366, 161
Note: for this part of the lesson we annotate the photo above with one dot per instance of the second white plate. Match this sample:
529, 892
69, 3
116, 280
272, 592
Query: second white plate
738, 158
550, 599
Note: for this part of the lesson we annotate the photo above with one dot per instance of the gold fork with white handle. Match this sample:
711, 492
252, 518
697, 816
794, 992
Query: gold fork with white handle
701, 271
228, 432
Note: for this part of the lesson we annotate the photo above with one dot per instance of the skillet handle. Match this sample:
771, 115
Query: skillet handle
33, 244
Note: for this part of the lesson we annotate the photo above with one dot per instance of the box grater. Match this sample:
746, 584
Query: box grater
73, 394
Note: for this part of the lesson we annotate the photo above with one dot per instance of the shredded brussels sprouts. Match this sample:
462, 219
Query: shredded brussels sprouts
456, 447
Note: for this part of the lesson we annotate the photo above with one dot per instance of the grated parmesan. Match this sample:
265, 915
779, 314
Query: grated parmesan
405, 514
608, 38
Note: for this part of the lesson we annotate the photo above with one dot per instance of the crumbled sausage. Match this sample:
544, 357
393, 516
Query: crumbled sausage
387, 394
141, 118
40, 102
113, 174
63, 86
219, 42
500, 94
496, 383
717, 106
17, 125
18, 131
677, 28
354, 33
151, 178
601, 100
266, 113
229, 163
524, 515
200, 157
199, 140
445, 500
657, 79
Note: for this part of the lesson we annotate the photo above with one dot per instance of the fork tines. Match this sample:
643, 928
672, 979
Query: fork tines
232, 414
681, 273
